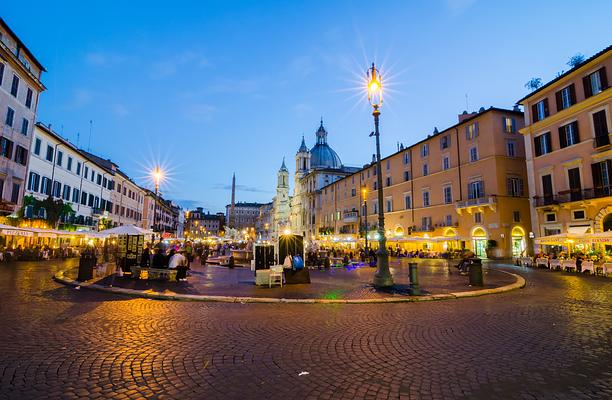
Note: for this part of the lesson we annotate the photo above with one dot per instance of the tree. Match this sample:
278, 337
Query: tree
55, 209
576, 60
534, 84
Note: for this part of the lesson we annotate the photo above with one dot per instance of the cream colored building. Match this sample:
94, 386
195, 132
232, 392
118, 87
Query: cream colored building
458, 188
569, 152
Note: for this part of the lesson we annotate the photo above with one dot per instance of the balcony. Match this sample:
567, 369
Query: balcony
569, 196
350, 216
478, 203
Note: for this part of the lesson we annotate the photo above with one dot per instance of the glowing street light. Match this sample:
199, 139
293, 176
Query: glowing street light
382, 277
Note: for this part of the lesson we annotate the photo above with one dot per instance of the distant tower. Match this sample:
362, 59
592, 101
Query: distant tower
232, 218
281, 201
302, 160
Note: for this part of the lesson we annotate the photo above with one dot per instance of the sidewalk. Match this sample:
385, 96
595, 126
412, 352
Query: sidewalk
334, 284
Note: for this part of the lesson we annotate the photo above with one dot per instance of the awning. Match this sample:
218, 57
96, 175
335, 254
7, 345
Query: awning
600, 237
578, 230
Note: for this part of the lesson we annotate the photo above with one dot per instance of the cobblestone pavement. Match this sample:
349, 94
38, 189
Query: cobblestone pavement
337, 283
549, 340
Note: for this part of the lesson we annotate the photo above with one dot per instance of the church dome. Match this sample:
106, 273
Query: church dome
321, 155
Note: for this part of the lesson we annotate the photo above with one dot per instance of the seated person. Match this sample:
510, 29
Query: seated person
159, 259
176, 259
298, 262
145, 258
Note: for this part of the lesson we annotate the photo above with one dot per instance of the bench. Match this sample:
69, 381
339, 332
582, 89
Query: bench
153, 273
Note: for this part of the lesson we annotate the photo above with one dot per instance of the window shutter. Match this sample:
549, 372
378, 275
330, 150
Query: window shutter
503, 119
475, 129
537, 144
562, 137
603, 78
546, 113
509, 186
534, 113
572, 90
577, 131
559, 100
596, 171
520, 187
586, 84
448, 140
513, 125
467, 132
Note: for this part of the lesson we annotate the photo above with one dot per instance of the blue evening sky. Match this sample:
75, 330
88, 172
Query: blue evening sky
208, 88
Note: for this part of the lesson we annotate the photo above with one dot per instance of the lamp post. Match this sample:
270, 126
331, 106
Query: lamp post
364, 193
382, 277
158, 175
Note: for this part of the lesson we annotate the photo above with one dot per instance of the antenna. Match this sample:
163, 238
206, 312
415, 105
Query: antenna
89, 142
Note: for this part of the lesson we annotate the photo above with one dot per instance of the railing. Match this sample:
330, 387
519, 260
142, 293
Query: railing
350, 216
480, 201
573, 195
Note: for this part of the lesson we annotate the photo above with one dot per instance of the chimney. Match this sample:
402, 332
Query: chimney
465, 115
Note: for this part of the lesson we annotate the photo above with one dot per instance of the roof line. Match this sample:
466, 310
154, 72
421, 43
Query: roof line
22, 45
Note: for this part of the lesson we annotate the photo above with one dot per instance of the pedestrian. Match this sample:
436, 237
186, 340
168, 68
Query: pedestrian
178, 261
145, 258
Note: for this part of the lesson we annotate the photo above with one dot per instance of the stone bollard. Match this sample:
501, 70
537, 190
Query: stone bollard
415, 290
475, 268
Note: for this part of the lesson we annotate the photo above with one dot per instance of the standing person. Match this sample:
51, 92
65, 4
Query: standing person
145, 257
204, 257
179, 262
188, 251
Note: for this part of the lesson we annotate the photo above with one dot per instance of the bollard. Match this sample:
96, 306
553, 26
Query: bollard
415, 290
475, 268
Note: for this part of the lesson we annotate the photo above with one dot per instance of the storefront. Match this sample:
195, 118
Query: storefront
519, 243
479, 241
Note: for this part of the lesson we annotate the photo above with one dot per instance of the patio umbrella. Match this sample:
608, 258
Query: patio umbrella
600, 237
126, 230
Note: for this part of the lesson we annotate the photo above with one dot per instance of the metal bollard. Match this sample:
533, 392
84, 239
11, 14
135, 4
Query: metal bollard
415, 290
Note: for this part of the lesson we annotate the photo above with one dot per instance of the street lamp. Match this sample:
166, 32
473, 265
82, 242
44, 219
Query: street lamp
382, 277
364, 194
158, 176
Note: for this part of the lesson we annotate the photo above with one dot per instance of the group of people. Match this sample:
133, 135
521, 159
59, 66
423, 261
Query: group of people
178, 258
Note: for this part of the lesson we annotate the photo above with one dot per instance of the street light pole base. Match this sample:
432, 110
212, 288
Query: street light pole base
382, 277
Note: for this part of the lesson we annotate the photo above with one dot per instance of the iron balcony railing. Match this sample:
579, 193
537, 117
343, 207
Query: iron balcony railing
350, 216
573, 195
480, 201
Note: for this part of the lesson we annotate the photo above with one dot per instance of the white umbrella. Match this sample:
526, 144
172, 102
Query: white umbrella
126, 230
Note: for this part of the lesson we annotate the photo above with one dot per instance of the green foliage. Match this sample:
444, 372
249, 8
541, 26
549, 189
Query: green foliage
576, 60
55, 209
533, 84
491, 244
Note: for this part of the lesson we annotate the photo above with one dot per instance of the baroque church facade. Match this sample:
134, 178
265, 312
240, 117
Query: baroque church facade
315, 168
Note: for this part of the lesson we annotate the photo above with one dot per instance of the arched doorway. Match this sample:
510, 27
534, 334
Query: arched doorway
518, 241
399, 231
606, 223
479, 238
450, 235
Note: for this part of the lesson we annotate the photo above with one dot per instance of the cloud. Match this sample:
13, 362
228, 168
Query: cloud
120, 110
199, 112
79, 99
302, 109
242, 188
102, 59
171, 65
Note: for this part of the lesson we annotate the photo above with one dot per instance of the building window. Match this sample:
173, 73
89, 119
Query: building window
1, 76
602, 178
514, 186
86, 172
424, 149
10, 116
59, 158
478, 217
84, 198
45, 186
445, 163
389, 205
78, 169
578, 214
406, 158
66, 193
476, 190
426, 223
21, 155
353, 192
550, 217
448, 220
539, 110
543, 144
511, 148
406, 175
516, 216
57, 189
509, 124
6, 148
15, 85
29, 95
25, 124
15, 193
425, 169
568, 134
75, 196
474, 154
425, 199
408, 201
49, 156
595, 83
471, 131
69, 165
388, 181
388, 164
445, 142
90, 200
375, 185
566, 97
34, 182
37, 143
600, 125
448, 194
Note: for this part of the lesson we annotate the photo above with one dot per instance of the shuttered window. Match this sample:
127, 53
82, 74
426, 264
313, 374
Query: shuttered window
595, 83
600, 125
566, 97
542, 144
568, 134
